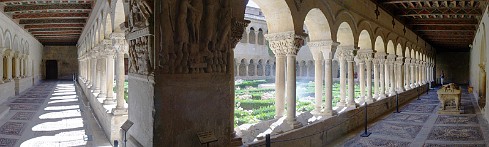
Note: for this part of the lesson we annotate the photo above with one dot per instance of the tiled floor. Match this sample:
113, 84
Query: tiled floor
419, 124
48, 114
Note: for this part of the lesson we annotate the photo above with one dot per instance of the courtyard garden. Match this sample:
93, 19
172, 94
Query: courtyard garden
255, 99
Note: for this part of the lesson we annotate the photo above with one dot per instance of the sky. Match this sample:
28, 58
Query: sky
251, 3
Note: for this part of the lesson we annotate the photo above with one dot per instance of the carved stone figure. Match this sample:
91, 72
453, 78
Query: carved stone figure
196, 16
141, 10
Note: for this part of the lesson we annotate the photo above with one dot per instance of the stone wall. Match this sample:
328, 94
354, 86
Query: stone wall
67, 60
454, 66
324, 132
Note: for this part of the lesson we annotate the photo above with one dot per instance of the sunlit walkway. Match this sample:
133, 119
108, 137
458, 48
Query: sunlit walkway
49, 114
419, 124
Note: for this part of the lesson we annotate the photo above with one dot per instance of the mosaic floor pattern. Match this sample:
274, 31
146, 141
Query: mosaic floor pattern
419, 124
47, 114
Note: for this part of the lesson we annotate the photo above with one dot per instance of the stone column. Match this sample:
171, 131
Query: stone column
255, 63
344, 56
95, 76
88, 69
361, 76
110, 77
316, 48
120, 45
419, 73
289, 44
390, 80
375, 62
380, 56
351, 83
365, 56
279, 83
238, 64
328, 78
413, 73
263, 68
8, 57
407, 73
1, 67
399, 74
247, 65
17, 65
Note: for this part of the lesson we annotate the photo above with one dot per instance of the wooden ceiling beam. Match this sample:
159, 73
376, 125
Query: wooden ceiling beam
20, 8
446, 27
50, 15
52, 21
407, 1
41, 26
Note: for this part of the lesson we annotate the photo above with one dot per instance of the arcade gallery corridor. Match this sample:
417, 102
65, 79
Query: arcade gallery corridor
288, 73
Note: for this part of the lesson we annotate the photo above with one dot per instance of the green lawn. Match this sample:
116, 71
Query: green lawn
255, 109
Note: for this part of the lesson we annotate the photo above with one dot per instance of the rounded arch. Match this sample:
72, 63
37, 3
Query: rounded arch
8, 39
407, 53
15, 42
364, 41
379, 44
391, 48
318, 26
107, 26
399, 50
344, 23
345, 35
1, 37
278, 15
118, 14
413, 55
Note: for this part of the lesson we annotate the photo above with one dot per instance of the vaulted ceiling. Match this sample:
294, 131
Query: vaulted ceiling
52, 22
448, 25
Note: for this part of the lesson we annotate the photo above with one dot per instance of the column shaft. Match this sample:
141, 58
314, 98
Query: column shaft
318, 81
279, 86
291, 87
110, 79
351, 85
328, 87
369, 81
342, 83
376, 79
120, 74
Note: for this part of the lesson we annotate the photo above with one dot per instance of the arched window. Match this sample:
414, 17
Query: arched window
252, 39
261, 39
244, 39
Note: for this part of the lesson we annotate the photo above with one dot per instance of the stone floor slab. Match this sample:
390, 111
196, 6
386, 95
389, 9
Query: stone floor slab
456, 133
12, 128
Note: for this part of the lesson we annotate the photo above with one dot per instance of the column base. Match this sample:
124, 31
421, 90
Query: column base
407, 87
109, 101
294, 123
381, 96
369, 100
354, 105
101, 95
328, 113
119, 111
341, 104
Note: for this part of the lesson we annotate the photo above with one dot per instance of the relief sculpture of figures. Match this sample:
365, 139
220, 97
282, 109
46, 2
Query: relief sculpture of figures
141, 10
210, 28
182, 48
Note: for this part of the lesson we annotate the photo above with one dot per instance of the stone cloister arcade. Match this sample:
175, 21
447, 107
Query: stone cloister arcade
389, 59
15, 64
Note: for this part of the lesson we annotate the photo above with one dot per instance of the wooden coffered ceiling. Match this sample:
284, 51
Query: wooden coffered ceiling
52, 22
448, 25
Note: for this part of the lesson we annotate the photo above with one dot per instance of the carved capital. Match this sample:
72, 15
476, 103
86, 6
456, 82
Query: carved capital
363, 55
318, 48
237, 30
345, 53
399, 60
286, 43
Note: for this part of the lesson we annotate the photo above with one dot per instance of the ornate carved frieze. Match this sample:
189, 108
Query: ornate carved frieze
140, 55
285, 43
364, 55
196, 36
140, 12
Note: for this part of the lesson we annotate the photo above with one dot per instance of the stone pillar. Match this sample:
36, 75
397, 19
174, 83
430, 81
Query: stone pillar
318, 76
110, 78
361, 76
1, 67
413, 73
263, 68
390, 80
255, 63
351, 83
407, 73
375, 62
328, 78
95, 76
8, 57
247, 65
102, 76
365, 56
288, 43
399, 74
344, 56
380, 56
238, 64
279, 83
120, 45
88, 69
419, 73
17, 65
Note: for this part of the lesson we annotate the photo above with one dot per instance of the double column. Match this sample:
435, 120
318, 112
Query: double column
390, 77
407, 73
323, 50
414, 82
286, 44
379, 74
399, 74
364, 58
120, 47
345, 57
